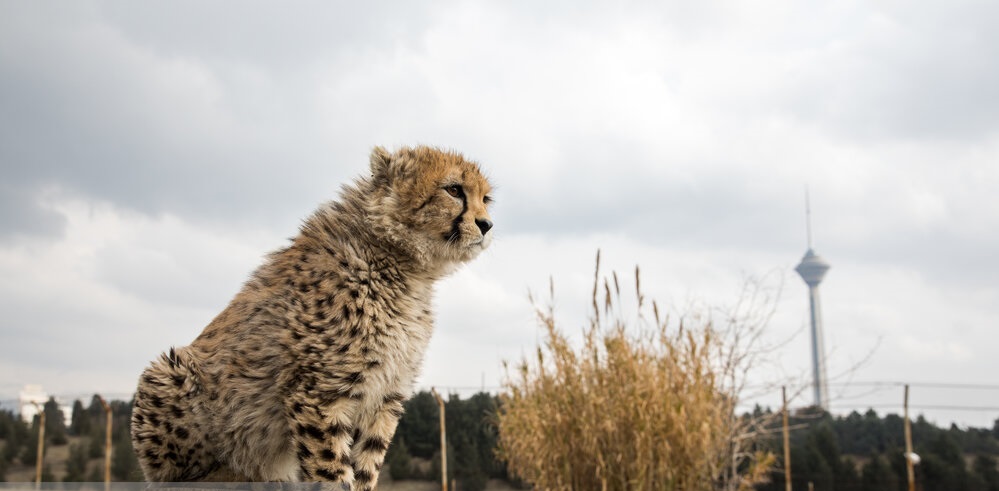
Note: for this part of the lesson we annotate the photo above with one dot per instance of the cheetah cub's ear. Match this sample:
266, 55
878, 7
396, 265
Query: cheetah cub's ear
380, 160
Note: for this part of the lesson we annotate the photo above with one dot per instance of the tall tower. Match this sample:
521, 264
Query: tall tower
812, 269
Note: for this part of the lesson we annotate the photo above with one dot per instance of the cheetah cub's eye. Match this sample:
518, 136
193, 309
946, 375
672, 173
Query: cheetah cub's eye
454, 190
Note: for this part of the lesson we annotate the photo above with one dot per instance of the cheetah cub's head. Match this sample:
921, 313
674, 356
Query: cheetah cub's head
433, 203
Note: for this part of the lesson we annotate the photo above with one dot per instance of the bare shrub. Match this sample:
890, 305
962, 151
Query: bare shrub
649, 405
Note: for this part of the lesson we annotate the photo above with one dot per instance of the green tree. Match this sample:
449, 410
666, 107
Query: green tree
985, 468
881, 438
435, 464
877, 476
420, 425
945, 454
482, 410
121, 423
468, 468
813, 468
16, 435
80, 422
76, 465
471, 421
95, 409
847, 476
124, 464
55, 424
823, 457
942, 465
95, 445
851, 432
6, 424
29, 451
398, 460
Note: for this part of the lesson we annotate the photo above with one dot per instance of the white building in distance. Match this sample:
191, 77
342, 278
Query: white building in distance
34, 394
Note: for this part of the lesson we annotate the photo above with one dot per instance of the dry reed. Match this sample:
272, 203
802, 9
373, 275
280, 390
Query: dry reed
642, 408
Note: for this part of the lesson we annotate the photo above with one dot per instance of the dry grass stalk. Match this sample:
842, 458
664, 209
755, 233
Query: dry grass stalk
649, 407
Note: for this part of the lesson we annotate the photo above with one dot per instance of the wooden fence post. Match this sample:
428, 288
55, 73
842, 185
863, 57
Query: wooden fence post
787, 443
41, 444
440, 402
909, 471
107, 443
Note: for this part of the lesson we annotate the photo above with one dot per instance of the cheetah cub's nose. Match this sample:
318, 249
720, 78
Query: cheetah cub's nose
484, 225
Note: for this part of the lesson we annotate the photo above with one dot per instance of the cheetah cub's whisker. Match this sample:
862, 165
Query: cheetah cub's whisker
303, 375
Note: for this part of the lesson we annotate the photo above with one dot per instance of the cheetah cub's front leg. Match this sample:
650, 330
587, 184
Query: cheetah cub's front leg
343, 442
323, 437
371, 440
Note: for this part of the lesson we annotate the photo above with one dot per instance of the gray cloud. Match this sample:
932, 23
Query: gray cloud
107, 101
21, 214
906, 73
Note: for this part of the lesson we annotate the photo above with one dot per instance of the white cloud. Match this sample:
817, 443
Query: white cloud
116, 289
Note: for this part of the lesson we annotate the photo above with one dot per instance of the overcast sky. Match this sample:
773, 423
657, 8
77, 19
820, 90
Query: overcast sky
152, 153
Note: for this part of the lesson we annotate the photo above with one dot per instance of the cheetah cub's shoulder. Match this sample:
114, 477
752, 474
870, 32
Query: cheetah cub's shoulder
303, 375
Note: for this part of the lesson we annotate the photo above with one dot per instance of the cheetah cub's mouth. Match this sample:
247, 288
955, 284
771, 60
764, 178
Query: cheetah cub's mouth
483, 242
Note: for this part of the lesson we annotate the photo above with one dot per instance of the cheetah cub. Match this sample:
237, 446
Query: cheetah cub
303, 375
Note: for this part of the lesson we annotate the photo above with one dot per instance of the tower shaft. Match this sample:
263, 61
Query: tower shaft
819, 377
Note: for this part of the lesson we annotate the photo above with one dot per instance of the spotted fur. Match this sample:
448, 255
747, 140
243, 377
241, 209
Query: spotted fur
303, 375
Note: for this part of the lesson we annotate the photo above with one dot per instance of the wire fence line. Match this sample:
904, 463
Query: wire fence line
838, 403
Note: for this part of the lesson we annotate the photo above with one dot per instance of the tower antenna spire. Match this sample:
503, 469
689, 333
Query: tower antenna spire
808, 217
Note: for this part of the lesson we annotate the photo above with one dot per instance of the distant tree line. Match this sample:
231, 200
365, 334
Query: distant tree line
853, 452
415, 452
866, 452
86, 429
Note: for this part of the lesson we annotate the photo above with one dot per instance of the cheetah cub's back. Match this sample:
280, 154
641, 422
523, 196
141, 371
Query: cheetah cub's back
303, 375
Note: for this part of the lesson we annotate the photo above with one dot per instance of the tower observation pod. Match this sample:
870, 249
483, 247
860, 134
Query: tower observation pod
812, 269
